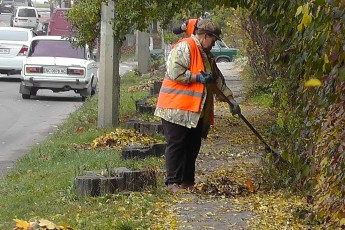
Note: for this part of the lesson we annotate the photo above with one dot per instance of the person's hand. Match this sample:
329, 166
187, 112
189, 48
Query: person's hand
234, 107
204, 78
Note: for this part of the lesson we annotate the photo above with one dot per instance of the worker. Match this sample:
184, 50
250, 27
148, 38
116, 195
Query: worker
189, 26
185, 102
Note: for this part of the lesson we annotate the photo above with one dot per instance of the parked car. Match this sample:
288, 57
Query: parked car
59, 25
17, 3
14, 43
41, 28
222, 52
25, 16
6, 6
53, 63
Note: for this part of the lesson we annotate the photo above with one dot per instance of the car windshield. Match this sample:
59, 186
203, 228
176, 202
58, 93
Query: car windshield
221, 44
55, 48
13, 35
27, 13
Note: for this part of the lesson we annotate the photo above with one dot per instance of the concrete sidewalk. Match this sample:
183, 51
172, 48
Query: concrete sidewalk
196, 211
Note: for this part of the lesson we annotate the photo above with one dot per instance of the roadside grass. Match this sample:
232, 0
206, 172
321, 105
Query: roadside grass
41, 184
263, 99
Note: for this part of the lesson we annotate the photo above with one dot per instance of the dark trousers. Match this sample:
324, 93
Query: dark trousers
183, 145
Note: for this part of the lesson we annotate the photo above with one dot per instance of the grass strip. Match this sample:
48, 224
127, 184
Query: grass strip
41, 184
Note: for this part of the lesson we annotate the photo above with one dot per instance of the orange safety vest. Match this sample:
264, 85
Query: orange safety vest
175, 95
191, 27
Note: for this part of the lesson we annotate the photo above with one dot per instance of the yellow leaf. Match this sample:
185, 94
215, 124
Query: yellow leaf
22, 224
300, 27
299, 11
325, 58
47, 224
313, 83
306, 20
173, 224
342, 221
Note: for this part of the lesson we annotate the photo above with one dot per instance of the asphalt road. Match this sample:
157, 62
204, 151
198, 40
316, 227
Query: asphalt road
25, 123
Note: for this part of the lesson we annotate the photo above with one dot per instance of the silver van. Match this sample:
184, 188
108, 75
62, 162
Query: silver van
25, 16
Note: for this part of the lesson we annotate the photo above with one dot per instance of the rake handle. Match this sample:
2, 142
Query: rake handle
220, 93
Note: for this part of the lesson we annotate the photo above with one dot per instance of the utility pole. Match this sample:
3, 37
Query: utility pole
143, 51
109, 79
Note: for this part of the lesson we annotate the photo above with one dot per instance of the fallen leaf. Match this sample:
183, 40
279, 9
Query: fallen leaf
313, 82
250, 185
22, 224
47, 224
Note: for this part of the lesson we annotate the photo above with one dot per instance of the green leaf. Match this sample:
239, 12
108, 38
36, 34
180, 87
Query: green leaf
305, 170
319, 2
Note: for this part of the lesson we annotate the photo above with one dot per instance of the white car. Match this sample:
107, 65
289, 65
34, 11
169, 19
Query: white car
14, 43
54, 63
25, 16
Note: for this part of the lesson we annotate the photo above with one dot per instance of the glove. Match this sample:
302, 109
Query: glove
204, 78
234, 107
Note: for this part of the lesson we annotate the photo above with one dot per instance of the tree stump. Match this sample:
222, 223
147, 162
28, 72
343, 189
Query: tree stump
110, 185
98, 185
140, 179
144, 108
130, 152
155, 89
151, 128
88, 185
119, 179
159, 149
133, 124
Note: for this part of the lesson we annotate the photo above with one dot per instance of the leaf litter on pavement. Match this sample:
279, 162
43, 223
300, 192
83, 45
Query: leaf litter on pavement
230, 182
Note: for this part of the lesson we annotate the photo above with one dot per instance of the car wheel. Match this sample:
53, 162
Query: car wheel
26, 96
33, 92
222, 59
83, 98
93, 89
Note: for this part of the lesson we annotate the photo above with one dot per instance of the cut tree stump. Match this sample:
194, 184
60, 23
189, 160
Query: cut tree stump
156, 87
159, 149
88, 185
146, 127
151, 128
133, 124
110, 185
140, 179
142, 108
130, 152
120, 179
98, 185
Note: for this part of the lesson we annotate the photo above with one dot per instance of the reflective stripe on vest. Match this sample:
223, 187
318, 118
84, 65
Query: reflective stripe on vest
175, 95
190, 27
